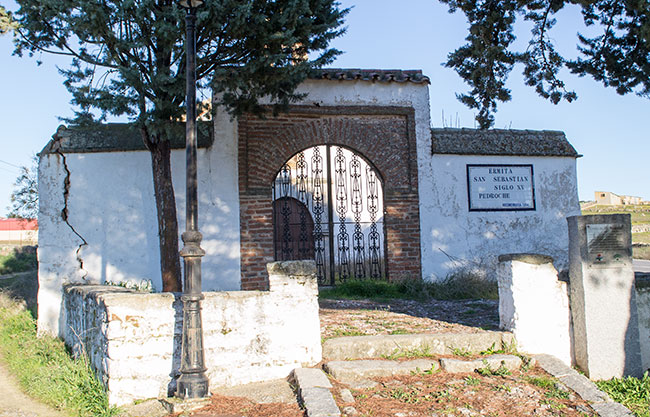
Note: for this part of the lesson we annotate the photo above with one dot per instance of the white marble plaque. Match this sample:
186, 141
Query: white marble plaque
500, 187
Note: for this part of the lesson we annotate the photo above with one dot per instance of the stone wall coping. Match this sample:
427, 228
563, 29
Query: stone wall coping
507, 142
292, 268
112, 292
529, 258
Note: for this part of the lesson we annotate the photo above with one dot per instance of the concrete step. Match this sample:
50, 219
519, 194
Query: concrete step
367, 347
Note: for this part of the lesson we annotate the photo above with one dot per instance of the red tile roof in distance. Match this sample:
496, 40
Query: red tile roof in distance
18, 224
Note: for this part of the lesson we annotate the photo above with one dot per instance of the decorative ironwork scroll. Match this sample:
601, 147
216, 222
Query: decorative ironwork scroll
318, 208
330, 210
357, 207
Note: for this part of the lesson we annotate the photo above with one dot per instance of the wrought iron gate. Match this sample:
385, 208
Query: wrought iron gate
328, 206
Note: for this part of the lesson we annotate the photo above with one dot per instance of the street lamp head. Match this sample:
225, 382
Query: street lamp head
190, 4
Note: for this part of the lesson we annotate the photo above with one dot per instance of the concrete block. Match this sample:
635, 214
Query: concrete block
585, 388
365, 347
494, 362
603, 296
310, 378
346, 371
611, 409
534, 305
319, 402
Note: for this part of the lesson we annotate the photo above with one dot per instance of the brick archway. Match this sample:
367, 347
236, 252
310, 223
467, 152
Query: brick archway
383, 135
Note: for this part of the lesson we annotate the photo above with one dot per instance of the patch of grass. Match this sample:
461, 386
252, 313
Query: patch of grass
462, 352
551, 387
487, 370
361, 289
348, 332
471, 380
44, 367
459, 285
634, 393
23, 288
643, 237
421, 352
641, 252
21, 259
639, 213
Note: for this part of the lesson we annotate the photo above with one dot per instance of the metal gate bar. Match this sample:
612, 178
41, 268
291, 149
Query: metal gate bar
306, 202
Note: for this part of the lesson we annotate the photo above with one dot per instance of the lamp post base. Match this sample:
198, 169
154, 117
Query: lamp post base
192, 386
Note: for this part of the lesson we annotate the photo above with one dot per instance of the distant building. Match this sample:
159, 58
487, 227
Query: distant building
18, 231
606, 198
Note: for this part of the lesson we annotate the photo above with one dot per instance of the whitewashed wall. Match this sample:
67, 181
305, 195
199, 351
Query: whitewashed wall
110, 206
534, 305
133, 340
453, 237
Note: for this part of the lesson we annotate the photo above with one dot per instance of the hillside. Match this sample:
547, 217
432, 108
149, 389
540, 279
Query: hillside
640, 224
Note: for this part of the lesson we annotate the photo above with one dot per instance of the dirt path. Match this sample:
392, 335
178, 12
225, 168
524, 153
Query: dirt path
13, 403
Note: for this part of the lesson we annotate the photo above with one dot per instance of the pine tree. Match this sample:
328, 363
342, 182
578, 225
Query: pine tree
619, 57
128, 58
24, 198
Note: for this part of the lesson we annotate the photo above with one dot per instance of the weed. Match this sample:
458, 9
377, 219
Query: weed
486, 370
44, 368
348, 332
399, 331
420, 352
470, 380
553, 389
502, 388
634, 393
409, 396
462, 352
460, 284
554, 405
491, 351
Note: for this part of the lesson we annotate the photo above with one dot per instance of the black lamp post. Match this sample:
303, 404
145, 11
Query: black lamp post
193, 383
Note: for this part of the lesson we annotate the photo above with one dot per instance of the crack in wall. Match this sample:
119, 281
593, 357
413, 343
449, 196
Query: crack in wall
64, 211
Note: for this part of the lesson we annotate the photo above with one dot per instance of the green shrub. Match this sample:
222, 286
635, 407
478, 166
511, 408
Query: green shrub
458, 285
21, 259
44, 367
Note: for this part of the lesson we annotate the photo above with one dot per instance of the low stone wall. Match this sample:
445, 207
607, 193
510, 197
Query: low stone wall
534, 305
133, 339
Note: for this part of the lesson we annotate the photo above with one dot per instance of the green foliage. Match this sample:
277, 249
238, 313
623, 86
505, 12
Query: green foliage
7, 24
551, 387
44, 368
487, 370
419, 352
634, 393
128, 58
459, 285
24, 198
618, 57
359, 289
19, 260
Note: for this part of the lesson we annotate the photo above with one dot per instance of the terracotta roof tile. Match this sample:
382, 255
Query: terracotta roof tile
374, 75
501, 142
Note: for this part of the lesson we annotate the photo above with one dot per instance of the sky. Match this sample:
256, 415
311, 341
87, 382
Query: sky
609, 130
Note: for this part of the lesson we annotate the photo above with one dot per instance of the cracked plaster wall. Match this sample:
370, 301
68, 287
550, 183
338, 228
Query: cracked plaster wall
110, 205
453, 237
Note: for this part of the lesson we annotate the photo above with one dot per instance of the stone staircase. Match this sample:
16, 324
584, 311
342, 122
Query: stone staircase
355, 360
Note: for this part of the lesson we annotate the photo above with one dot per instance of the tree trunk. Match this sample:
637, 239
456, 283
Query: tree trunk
170, 266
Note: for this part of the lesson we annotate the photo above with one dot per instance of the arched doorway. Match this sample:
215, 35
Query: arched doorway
328, 205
